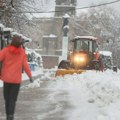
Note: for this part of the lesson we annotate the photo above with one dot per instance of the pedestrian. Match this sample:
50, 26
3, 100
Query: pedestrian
13, 59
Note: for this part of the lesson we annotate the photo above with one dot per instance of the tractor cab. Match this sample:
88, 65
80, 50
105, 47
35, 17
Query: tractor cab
84, 50
85, 43
83, 56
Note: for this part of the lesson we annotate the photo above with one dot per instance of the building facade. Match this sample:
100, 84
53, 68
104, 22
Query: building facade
48, 37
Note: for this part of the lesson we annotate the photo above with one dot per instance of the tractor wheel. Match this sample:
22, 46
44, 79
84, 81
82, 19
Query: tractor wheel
64, 65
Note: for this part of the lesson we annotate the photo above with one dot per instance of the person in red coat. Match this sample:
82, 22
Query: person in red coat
13, 59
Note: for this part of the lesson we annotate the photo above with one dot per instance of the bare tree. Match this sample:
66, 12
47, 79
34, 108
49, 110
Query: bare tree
16, 13
104, 23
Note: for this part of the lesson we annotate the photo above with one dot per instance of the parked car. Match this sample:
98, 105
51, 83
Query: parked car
34, 59
108, 60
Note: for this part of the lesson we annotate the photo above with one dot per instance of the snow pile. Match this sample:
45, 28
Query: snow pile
93, 95
35, 84
49, 74
34, 73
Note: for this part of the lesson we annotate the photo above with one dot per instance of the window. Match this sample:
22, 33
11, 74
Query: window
83, 45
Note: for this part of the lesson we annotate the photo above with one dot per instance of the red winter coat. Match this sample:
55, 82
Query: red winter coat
13, 59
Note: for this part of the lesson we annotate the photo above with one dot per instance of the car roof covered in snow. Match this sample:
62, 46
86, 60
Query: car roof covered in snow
85, 37
29, 51
106, 53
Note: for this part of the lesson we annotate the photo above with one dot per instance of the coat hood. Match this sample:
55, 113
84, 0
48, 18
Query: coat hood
15, 50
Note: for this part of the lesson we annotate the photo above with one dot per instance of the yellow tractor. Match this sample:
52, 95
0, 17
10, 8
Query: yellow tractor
83, 56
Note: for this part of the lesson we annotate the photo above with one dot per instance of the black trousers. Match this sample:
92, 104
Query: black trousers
10, 92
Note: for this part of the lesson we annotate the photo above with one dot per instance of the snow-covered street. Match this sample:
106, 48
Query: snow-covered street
92, 95
62, 57
88, 96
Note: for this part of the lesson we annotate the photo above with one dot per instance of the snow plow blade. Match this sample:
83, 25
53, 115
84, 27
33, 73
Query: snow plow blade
63, 72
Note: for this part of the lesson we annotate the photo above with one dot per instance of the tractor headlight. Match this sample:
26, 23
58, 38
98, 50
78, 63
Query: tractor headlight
80, 59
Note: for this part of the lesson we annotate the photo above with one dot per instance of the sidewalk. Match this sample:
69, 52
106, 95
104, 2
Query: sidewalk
24, 95
35, 104
28, 104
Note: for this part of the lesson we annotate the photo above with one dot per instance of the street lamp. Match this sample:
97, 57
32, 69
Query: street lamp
65, 24
65, 29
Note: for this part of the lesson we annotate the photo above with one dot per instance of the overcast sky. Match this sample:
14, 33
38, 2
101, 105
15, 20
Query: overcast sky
84, 3
80, 3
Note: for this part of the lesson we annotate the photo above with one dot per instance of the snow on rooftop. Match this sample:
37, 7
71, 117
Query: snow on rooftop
8, 29
106, 53
50, 36
16, 33
86, 37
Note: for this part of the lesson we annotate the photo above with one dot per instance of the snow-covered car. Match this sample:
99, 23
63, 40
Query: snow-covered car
34, 59
107, 60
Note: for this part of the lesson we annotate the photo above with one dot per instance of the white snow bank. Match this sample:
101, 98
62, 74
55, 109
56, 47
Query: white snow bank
86, 37
93, 95
35, 84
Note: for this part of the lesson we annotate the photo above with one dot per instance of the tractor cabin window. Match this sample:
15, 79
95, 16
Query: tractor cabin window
83, 45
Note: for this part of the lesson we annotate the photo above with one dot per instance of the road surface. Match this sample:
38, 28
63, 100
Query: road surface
40, 103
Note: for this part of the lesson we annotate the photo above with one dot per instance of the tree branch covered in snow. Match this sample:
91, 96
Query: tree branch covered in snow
104, 23
101, 22
13, 13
